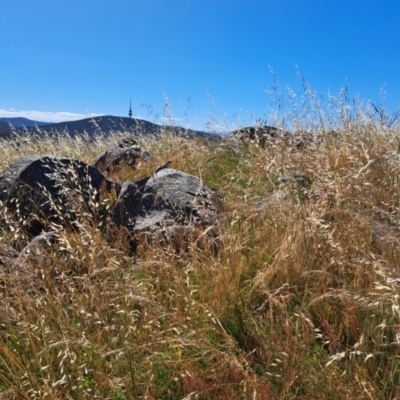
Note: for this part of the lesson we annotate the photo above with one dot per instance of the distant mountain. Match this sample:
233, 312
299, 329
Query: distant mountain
101, 125
4, 128
107, 125
19, 122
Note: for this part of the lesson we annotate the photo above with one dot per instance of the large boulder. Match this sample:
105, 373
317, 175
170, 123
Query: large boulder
177, 197
166, 205
124, 149
39, 190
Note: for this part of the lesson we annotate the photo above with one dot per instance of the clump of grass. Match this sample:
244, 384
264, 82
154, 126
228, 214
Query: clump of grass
301, 300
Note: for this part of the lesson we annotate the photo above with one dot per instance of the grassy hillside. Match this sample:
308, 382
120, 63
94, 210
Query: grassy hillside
300, 302
103, 125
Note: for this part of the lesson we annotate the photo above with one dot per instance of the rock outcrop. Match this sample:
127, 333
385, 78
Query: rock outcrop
261, 135
49, 189
267, 135
124, 149
166, 205
47, 193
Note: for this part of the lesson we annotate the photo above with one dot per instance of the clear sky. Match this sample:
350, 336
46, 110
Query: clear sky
68, 59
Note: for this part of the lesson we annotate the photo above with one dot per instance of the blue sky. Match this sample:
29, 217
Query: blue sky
68, 59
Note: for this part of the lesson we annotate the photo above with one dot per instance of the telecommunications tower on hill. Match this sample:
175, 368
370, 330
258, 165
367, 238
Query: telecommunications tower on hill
130, 109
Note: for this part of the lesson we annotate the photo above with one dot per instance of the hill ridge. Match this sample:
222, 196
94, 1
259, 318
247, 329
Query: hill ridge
105, 124
20, 122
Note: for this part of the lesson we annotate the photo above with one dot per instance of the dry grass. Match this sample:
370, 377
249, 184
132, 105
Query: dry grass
301, 301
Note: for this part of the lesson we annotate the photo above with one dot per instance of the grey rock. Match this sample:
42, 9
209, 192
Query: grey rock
172, 195
8, 255
166, 206
163, 166
128, 204
39, 190
124, 149
267, 135
262, 135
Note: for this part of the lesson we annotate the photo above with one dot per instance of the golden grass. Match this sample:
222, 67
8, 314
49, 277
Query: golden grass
301, 300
